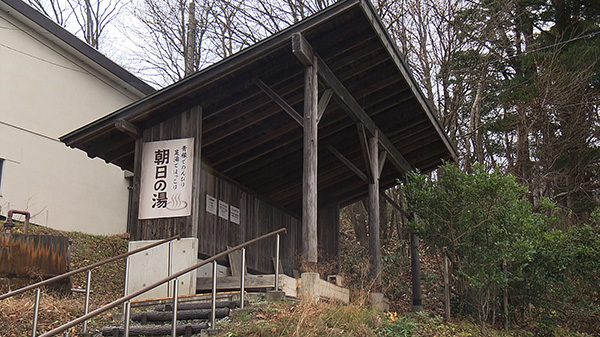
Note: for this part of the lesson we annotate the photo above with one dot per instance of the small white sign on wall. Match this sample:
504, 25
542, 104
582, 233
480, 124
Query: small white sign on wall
166, 179
234, 215
211, 204
223, 210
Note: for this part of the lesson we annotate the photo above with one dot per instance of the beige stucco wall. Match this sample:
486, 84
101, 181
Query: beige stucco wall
46, 92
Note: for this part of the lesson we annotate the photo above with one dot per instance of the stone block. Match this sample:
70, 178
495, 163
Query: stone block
236, 313
379, 302
309, 287
275, 295
209, 332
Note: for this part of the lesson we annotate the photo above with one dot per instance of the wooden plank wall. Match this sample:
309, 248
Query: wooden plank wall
328, 234
257, 217
183, 125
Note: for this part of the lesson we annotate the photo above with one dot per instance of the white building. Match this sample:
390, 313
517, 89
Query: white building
51, 83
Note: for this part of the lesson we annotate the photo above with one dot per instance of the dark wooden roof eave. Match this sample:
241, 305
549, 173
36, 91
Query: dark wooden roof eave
251, 140
213, 72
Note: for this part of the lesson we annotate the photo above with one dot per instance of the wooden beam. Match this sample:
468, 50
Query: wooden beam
395, 205
303, 51
220, 127
309, 174
374, 231
128, 128
362, 136
280, 101
382, 157
323, 102
361, 116
348, 163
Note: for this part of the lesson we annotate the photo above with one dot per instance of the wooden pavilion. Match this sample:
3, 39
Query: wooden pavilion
287, 131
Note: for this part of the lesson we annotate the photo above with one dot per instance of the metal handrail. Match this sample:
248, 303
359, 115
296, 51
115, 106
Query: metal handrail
86, 268
164, 280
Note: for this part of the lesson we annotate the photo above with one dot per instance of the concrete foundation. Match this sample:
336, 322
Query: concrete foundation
275, 295
312, 288
209, 332
308, 288
379, 302
236, 313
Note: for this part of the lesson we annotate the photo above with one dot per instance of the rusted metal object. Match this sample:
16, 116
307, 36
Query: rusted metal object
26, 258
9, 225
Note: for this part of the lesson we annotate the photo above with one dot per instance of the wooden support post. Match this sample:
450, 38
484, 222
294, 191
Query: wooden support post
374, 239
415, 265
309, 177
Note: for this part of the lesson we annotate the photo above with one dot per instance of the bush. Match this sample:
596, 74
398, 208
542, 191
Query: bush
486, 223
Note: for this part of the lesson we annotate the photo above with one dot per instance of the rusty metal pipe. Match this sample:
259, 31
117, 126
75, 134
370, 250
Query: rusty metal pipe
9, 225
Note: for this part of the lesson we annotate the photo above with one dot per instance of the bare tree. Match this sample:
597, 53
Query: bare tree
168, 30
57, 10
91, 17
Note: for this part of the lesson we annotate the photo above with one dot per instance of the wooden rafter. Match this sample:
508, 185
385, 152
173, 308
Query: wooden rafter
323, 103
305, 53
382, 157
348, 163
362, 135
128, 128
280, 101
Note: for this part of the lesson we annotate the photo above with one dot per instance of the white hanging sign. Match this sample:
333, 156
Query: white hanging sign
234, 215
211, 204
223, 210
166, 179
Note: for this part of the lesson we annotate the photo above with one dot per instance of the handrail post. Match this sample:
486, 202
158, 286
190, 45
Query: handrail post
277, 265
126, 284
36, 310
214, 295
170, 265
175, 295
127, 317
243, 278
87, 298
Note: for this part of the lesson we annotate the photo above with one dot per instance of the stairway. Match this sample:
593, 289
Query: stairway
192, 317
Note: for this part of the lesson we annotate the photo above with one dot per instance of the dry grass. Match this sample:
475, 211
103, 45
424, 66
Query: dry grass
16, 313
306, 319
